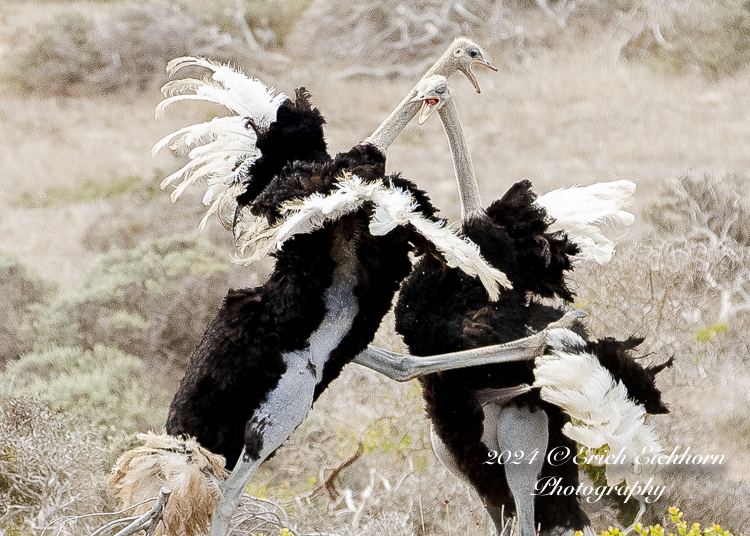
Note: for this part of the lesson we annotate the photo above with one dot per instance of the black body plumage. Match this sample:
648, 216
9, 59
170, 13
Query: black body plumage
441, 310
240, 359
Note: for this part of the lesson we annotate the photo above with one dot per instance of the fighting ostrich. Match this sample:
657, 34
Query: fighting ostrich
483, 408
347, 230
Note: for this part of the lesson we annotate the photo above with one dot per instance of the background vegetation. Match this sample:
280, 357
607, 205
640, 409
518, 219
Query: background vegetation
105, 287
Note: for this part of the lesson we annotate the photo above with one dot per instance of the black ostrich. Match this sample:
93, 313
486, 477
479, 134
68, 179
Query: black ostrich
346, 229
475, 410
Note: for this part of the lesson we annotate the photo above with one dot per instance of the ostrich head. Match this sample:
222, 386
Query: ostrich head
464, 55
432, 92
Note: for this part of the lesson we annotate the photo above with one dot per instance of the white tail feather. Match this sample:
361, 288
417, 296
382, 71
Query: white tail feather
219, 149
190, 471
602, 412
393, 207
580, 211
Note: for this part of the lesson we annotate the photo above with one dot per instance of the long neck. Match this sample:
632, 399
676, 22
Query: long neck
389, 129
468, 189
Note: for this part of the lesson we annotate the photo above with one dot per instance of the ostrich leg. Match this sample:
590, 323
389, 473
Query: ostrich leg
405, 367
286, 407
521, 429
288, 404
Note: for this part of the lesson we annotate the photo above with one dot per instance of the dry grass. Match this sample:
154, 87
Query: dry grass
50, 466
568, 114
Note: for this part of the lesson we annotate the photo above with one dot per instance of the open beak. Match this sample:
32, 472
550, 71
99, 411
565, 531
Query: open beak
481, 63
428, 108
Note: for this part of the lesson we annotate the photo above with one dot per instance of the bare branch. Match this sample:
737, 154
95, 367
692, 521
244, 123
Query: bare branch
150, 519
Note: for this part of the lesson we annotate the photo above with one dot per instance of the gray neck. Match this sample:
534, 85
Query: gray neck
468, 189
389, 129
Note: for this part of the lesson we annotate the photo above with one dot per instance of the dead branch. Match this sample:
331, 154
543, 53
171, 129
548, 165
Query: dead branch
330, 481
150, 520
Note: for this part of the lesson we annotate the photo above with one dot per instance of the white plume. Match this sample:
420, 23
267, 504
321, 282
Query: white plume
222, 148
392, 207
580, 211
245, 96
601, 410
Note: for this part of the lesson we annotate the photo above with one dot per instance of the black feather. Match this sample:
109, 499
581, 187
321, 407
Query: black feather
615, 356
442, 310
240, 358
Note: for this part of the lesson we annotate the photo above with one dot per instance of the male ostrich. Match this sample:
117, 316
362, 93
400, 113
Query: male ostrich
346, 229
474, 410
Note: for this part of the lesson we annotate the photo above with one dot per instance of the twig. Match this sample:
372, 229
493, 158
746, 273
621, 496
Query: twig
150, 519
111, 524
421, 514
330, 484
74, 519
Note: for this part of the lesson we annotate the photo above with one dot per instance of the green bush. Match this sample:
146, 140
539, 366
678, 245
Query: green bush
676, 524
153, 301
131, 222
19, 289
273, 20
104, 387
62, 58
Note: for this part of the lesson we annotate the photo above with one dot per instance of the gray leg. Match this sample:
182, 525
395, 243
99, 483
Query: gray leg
522, 430
286, 407
404, 367
445, 457
492, 411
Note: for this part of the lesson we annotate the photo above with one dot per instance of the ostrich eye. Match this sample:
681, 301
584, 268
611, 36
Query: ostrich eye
474, 53
440, 89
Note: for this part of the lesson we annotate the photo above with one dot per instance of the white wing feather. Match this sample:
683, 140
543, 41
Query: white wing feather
580, 211
221, 148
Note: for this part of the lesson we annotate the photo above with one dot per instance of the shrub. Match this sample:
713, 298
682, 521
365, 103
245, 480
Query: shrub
689, 279
710, 216
19, 289
62, 58
51, 465
273, 20
703, 208
153, 301
103, 387
712, 38
73, 55
675, 523
136, 218
685, 288
392, 38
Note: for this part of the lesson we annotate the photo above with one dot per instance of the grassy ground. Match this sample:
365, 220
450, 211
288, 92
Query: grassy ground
573, 113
